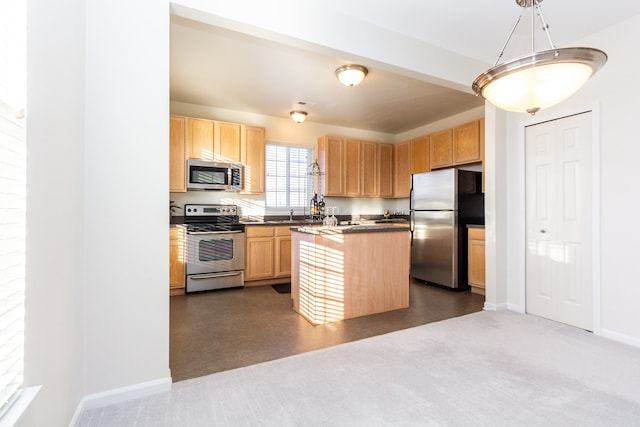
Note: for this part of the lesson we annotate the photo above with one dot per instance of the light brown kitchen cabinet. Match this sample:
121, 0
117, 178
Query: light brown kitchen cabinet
402, 169
352, 167
385, 170
268, 257
331, 162
177, 154
420, 155
227, 142
441, 149
199, 138
260, 253
253, 159
476, 259
466, 143
176, 261
282, 261
369, 169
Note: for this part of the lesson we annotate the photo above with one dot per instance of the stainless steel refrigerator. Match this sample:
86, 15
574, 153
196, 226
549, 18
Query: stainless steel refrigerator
442, 203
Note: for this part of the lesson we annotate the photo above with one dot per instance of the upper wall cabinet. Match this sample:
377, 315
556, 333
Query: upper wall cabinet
402, 168
253, 158
331, 162
177, 154
211, 140
353, 167
199, 139
457, 146
420, 154
385, 170
193, 138
441, 148
369, 167
226, 142
466, 143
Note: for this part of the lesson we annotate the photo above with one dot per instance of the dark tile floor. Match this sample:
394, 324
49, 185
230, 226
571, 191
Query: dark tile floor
231, 328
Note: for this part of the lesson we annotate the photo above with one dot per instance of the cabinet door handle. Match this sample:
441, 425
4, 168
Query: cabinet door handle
543, 231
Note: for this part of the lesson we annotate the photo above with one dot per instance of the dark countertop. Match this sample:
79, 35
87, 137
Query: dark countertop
348, 229
275, 220
475, 225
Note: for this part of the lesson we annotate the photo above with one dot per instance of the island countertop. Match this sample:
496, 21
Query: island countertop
347, 229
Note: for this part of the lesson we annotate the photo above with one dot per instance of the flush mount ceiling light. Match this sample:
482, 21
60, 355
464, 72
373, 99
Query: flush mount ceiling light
298, 116
351, 75
539, 80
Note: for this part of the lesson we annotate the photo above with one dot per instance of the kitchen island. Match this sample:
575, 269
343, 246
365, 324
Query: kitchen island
349, 271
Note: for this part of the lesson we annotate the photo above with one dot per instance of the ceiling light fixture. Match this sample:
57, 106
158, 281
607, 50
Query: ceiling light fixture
351, 75
539, 80
298, 116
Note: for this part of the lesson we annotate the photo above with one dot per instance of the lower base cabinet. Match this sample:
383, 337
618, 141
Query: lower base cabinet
476, 260
176, 261
268, 258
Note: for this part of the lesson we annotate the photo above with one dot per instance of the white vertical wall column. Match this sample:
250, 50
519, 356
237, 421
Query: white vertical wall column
497, 256
126, 195
54, 324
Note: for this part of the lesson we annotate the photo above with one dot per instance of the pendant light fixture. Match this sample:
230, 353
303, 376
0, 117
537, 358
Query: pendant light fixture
351, 75
298, 116
541, 79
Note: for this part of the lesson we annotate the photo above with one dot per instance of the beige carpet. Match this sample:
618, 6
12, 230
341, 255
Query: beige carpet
482, 369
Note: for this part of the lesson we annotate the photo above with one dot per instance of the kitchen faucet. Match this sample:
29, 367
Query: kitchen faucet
291, 215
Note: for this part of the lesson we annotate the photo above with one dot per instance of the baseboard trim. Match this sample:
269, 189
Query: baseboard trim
625, 339
495, 307
123, 394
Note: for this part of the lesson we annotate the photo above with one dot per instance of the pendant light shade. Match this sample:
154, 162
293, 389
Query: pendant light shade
298, 116
351, 75
541, 79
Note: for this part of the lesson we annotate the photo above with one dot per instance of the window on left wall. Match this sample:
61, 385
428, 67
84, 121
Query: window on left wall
12, 201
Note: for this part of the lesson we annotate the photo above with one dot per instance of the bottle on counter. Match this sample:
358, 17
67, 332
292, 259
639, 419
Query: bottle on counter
321, 207
313, 207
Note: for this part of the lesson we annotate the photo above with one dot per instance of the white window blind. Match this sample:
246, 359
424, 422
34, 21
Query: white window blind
287, 185
12, 199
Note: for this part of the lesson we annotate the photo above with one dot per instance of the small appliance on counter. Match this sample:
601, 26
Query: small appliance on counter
215, 249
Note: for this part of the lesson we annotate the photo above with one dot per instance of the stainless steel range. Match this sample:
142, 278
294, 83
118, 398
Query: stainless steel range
215, 247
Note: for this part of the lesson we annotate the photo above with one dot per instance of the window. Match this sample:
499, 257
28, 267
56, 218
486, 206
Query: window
12, 199
288, 186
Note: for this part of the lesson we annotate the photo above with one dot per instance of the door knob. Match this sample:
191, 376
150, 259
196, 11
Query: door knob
543, 231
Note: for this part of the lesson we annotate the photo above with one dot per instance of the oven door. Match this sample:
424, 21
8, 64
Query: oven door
215, 252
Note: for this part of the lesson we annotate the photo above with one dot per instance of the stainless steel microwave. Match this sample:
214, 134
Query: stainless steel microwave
209, 175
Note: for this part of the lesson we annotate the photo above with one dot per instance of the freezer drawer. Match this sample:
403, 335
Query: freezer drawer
434, 247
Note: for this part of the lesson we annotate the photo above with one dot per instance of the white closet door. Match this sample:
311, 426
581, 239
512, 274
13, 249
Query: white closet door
559, 282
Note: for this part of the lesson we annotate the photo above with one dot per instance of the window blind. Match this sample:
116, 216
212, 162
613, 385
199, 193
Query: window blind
12, 199
12, 255
287, 182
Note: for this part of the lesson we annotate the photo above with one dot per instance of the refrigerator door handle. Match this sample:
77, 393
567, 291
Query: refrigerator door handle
411, 226
411, 198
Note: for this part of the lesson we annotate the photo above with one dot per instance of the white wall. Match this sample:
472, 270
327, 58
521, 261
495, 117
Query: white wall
54, 336
126, 177
614, 91
97, 303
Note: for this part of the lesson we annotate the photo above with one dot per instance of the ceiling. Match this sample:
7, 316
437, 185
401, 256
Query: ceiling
221, 68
